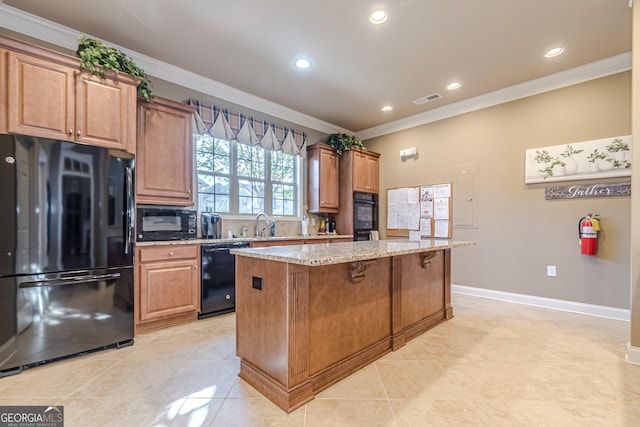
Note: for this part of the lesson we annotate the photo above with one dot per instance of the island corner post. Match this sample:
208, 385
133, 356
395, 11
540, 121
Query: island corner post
301, 328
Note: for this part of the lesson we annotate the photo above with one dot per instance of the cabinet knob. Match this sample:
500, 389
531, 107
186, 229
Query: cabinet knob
78, 133
170, 253
188, 191
227, 297
70, 131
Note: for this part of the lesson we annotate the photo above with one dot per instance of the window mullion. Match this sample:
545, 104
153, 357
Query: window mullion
268, 194
235, 184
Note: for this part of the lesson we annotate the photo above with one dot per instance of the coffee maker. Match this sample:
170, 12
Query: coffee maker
331, 225
211, 225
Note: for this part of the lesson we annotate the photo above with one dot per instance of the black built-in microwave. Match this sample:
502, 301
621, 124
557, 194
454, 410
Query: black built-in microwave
163, 223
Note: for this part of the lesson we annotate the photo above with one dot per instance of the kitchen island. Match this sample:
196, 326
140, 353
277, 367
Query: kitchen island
308, 316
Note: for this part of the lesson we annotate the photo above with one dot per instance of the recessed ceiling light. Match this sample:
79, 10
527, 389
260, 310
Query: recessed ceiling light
454, 85
552, 53
302, 63
378, 16
387, 108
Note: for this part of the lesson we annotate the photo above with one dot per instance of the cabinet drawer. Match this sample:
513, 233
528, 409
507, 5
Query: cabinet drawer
168, 252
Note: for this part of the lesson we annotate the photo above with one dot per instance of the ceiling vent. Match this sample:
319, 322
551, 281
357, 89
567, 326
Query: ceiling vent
427, 98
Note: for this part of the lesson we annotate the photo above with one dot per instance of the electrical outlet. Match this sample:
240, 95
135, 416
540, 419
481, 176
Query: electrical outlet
256, 283
551, 270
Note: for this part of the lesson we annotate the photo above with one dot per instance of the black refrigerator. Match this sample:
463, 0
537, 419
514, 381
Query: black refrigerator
66, 250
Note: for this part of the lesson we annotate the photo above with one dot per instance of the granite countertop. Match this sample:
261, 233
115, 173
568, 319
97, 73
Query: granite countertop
338, 253
246, 239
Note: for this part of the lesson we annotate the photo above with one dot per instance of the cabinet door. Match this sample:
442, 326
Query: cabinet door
164, 153
329, 189
360, 181
372, 174
322, 180
365, 172
168, 288
105, 112
40, 97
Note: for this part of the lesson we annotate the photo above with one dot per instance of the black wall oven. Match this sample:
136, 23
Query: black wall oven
365, 215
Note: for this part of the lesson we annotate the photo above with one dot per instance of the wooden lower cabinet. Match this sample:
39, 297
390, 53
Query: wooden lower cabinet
167, 288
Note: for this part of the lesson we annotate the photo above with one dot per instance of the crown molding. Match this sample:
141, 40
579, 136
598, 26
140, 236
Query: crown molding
34, 26
605, 67
59, 35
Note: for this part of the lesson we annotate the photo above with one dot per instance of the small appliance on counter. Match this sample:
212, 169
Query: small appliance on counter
211, 225
331, 225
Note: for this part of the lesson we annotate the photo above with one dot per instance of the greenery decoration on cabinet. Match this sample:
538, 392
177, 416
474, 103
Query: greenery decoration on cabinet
341, 142
97, 58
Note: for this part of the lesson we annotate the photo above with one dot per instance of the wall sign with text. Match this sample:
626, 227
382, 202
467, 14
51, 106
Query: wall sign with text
584, 191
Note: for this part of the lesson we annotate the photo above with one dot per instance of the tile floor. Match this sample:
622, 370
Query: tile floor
494, 364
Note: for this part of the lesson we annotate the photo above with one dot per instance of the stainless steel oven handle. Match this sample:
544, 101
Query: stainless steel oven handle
69, 280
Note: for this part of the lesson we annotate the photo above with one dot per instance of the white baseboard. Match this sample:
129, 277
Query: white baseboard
554, 304
633, 355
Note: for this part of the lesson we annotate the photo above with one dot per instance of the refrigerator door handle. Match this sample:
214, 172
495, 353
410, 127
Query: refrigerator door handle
128, 228
69, 280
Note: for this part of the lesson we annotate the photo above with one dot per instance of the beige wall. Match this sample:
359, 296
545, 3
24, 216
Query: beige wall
519, 232
634, 340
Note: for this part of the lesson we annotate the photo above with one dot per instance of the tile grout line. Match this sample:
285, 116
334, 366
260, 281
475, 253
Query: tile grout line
384, 390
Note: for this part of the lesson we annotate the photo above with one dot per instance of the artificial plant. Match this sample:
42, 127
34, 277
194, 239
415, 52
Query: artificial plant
97, 58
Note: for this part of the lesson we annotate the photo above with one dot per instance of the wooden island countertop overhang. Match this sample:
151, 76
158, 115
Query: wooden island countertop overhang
309, 315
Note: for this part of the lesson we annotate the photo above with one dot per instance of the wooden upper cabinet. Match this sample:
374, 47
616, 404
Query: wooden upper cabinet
365, 171
164, 169
322, 181
40, 97
56, 100
105, 112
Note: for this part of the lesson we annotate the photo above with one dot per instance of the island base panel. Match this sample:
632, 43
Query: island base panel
289, 399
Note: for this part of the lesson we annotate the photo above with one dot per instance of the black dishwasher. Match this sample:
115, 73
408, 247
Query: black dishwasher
218, 283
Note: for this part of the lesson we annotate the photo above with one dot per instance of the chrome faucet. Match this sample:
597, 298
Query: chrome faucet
259, 232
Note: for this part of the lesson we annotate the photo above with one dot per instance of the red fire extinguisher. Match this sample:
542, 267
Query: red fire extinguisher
588, 228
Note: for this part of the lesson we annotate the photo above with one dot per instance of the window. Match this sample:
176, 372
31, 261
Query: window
235, 178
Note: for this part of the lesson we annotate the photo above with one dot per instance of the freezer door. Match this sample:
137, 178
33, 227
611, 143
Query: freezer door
67, 206
62, 314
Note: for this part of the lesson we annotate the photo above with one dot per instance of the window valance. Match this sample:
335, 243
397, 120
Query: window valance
239, 127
